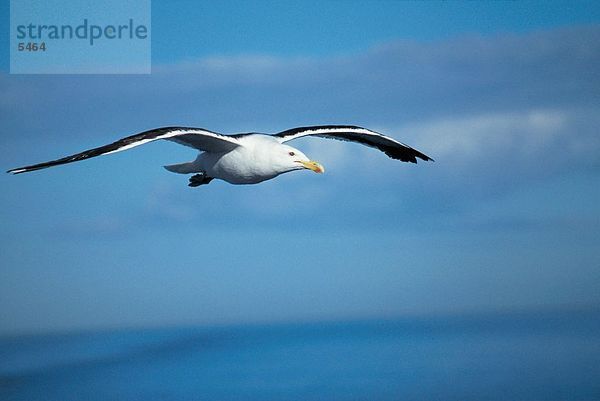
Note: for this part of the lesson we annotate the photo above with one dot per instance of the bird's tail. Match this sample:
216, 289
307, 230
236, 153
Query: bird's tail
182, 168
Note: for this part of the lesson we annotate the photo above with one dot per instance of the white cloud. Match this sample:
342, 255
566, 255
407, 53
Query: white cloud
472, 137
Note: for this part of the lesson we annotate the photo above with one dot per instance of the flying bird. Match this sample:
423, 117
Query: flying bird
247, 158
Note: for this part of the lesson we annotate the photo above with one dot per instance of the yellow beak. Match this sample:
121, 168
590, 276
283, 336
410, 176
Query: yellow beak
314, 166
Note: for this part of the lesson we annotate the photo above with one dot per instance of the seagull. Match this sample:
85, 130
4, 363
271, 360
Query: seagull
247, 158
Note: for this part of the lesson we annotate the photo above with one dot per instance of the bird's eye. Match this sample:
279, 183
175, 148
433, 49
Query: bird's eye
291, 154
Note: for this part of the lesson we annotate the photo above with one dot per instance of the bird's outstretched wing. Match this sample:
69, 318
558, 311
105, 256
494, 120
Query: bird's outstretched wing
389, 146
197, 138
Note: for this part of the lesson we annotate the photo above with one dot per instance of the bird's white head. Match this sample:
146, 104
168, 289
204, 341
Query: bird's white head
286, 158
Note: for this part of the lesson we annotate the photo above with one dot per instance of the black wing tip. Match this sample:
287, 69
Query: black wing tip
425, 158
408, 157
15, 171
27, 169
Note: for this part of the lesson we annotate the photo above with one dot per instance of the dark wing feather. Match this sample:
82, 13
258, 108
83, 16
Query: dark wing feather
389, 146
197, 138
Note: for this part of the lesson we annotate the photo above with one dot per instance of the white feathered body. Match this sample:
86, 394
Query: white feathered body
257, 160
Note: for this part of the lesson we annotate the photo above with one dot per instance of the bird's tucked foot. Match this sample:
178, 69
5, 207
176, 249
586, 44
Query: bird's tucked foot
199, 179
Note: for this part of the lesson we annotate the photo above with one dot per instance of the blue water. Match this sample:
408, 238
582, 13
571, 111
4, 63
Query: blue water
519, 356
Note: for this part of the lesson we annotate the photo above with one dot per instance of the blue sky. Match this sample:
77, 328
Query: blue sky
504, 95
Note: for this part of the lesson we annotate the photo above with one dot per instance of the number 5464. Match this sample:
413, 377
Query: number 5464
31, 46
